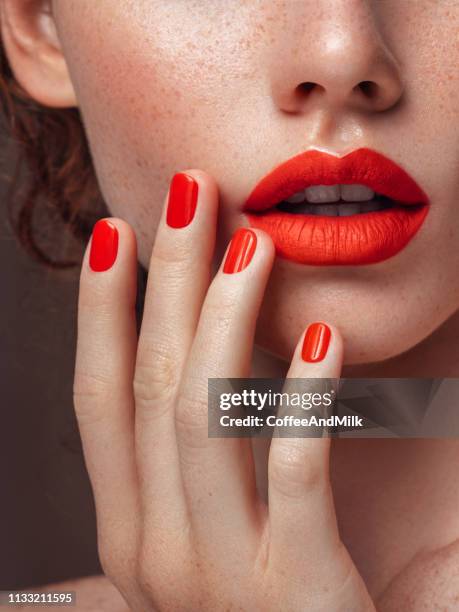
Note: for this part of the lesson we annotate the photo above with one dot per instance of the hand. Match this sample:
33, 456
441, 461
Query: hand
180, 525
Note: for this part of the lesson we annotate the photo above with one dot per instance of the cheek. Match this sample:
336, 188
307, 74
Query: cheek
153, 102
139, 132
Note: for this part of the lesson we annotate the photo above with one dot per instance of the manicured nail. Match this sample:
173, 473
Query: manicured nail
183, 196
241, 250
104, 246
316, 341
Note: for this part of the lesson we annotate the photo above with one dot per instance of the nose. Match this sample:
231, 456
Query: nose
333, 53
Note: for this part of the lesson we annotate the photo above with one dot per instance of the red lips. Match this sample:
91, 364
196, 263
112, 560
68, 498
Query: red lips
354, 240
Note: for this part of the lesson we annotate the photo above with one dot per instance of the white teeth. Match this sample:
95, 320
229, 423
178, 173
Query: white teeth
356, 193
335, 200
322, 193
341, 209
296, 197
345, 210
319, 194
329, 210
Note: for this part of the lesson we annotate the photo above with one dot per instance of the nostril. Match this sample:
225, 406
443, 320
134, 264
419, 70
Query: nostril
306, 87
368, 88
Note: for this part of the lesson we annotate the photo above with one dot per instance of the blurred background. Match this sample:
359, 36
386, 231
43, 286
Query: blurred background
47, 519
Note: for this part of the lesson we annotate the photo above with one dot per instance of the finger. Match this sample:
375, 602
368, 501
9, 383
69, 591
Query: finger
218, 474
178, 278
104, 367
302, 522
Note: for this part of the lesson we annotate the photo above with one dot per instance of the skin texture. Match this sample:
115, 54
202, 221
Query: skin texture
219, 93
181, 525
166, 87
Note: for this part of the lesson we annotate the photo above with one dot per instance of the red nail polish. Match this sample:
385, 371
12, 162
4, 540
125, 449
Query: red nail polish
183, 196
241, 250
316, 341
104, 246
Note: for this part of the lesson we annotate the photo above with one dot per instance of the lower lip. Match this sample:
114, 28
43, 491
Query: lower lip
359, 239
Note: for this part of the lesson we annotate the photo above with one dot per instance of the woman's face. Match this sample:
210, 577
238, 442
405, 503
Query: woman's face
166, 86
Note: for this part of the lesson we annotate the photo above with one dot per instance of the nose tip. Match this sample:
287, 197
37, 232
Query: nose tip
340, 65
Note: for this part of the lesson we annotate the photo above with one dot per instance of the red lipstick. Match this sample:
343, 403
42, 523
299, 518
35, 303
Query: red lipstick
304, 235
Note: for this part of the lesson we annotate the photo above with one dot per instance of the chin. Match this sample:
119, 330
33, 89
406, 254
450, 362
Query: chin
377, 322
364, 342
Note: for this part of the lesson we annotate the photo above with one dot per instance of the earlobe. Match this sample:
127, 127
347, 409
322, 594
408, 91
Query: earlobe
33, 49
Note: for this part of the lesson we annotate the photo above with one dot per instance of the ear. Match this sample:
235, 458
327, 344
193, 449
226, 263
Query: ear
32, 46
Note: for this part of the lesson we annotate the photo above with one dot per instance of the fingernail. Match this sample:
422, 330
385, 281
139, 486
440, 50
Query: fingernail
315, 343
183, 196
104, 246
241, 250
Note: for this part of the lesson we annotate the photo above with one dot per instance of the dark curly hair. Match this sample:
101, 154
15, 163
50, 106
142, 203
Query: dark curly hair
53, 180
52, 176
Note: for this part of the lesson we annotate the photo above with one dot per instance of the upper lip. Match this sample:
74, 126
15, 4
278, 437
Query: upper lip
363, 166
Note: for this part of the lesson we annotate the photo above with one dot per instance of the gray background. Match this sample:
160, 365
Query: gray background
47, 522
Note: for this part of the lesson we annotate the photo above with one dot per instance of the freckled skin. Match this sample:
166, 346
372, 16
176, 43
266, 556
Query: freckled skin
210, 85
428, 579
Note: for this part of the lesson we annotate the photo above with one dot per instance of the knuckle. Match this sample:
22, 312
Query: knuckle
291, 474
117, 552
109, 566
90, 383
90, 391
221, 312
145, 576
150, 575
191, 421
95, 298
112, 567
164, 574
172, 256
154, 382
